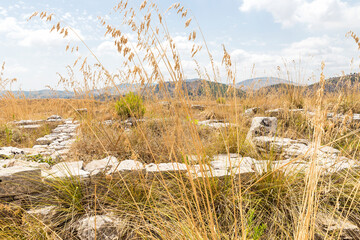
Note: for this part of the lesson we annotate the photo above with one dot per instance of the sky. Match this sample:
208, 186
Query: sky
279, 38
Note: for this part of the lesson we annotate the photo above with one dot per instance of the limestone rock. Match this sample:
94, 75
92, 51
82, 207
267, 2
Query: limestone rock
19, 180
30, 127
275, 112
66, 169
106, 228
45, 214
336, 225
198, 107
96, 167
251, 111
54, 118
166, 167
6, 152
262, 126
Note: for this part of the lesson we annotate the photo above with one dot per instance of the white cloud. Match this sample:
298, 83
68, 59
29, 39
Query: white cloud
311, 51
315, 14
9, 24
24, 36
3, 11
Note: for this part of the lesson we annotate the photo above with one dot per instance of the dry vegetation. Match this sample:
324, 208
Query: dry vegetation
270, 205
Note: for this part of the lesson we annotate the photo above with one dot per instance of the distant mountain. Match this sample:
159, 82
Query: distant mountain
350, 82
45, 93
260, 82
280, 88
194, 88
103, 93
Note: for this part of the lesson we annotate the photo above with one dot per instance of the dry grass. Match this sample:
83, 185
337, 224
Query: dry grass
270, 205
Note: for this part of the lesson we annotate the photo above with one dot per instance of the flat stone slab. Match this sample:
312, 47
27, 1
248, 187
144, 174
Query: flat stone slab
6, 152
28, 122
96, 167
19, 180
66, 170
166, 167
214, 124
33, 126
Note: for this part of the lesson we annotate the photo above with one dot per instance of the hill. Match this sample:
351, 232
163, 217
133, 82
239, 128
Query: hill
345, 83
194, 88
260, 82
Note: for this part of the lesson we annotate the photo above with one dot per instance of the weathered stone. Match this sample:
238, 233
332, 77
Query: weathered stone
45, 214
28, 122
30, 127
127, 166
166, 167
251, 111
262, 126
198, 107
19, 180
275, 112
96, 167
300, 110
333, 225
6, 152
30, 164
106, 227
214, 124
66, 169
54, 118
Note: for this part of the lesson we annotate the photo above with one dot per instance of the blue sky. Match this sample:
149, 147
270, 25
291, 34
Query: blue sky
260, 35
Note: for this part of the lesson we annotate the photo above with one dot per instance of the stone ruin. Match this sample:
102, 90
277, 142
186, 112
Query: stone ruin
20, 178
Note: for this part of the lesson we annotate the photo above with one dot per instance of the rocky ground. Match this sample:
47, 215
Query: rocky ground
22, 176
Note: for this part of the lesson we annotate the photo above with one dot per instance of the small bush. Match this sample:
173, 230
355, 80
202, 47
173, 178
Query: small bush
220, 100
130, 106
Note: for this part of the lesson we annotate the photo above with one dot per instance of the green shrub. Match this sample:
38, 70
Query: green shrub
130, 106
220, 100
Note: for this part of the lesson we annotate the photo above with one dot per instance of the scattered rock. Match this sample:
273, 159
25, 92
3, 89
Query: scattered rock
45, 214
54, 118
275, 112
251, 111
96, 167
81, 111
19, 180
30, 127
214, 124
173, 167
262, 126
198, 107
106, 227
66, 169
7, 152
340, 227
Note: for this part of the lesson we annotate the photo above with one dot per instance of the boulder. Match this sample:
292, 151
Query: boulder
262, 126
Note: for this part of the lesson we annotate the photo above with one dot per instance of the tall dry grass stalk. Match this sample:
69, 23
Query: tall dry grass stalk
268, 205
